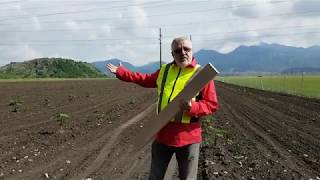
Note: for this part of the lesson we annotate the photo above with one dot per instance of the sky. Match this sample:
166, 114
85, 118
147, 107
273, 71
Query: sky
96, 30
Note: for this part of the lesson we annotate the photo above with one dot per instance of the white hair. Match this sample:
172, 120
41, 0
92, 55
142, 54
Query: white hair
177, 40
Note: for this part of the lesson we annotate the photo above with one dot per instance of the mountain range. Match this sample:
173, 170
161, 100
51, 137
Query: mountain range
262, 58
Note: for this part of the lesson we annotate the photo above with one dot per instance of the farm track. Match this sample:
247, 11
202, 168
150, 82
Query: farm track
267, 135
105, 151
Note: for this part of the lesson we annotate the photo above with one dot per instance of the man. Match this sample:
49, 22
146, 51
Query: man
182, 135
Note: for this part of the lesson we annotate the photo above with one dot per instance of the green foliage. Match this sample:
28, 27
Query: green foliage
50, 68
305, 85
61, 118
210, 133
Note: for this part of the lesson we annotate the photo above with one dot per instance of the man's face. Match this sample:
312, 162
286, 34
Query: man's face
182, 53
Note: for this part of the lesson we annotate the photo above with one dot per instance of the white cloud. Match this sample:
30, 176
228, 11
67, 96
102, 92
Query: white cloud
25, 53
129, 30
30, 53
263, 9
225, 48
140, 14
307, 6
36, 23
72, 25
106, 28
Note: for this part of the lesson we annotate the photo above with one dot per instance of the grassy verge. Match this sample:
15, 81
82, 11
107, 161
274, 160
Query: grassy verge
304, 85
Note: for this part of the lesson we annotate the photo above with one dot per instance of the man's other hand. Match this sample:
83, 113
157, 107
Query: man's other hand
185, 105
112, 68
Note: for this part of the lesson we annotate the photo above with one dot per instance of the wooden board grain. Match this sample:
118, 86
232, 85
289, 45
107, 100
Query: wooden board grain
198, 81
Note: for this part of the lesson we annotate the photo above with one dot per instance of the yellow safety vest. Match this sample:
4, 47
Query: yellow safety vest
170, 82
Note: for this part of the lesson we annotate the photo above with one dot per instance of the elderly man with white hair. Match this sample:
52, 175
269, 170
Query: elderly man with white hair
182, 135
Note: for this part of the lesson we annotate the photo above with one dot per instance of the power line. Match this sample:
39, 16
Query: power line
78, 44
170, 36
93, 40
145, 5
75, 12
253, 17
168, 26
259, 36
10, 2
155, 15
82, 3
102, 2
214, 33
252, 30
47, 7
63, 5
155, 42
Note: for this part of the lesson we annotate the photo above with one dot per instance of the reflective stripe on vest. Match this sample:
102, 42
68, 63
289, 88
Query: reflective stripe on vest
170, 84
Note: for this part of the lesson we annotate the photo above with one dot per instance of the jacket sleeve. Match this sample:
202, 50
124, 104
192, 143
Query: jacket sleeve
144, 80
208, 104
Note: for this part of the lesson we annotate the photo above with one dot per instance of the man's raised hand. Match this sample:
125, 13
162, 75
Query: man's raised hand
112, 68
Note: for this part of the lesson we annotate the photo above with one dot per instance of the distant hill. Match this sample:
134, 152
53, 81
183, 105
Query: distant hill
263, 58
268, 58
148, 68
49, 68
101, 65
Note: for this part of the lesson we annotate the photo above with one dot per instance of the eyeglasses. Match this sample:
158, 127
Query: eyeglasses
179, 50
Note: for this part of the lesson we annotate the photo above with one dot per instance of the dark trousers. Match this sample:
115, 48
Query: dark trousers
187, 158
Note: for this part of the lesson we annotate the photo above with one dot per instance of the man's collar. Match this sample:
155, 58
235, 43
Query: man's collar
193, 63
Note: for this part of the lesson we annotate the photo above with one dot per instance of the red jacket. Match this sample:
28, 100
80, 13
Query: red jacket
174, 133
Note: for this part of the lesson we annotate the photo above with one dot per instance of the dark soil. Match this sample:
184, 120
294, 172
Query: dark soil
266, 135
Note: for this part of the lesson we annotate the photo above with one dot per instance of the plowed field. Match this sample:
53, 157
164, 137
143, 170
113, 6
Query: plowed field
86, 128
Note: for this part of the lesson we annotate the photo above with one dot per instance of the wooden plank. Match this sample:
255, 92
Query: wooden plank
199, 80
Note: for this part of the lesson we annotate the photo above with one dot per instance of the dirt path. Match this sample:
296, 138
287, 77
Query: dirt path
105, 150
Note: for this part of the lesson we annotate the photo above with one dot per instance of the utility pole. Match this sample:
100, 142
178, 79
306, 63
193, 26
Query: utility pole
190, 37
160, 47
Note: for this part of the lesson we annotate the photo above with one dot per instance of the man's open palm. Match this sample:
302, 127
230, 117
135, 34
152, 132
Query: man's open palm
112, 68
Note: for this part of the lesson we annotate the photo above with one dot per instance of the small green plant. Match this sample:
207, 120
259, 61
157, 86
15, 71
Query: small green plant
218, 133
100, 115
16, 104
62, 118
210, 131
